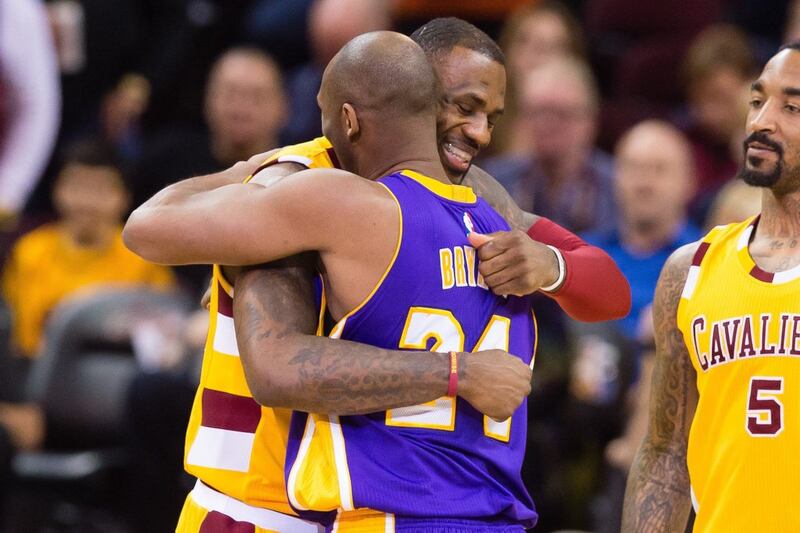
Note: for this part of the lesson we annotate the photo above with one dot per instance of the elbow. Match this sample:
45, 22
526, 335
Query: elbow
615, 307
265, 396
133, 234
136, 234
267, 385
620, 306
140, 236
264, 391
624, 307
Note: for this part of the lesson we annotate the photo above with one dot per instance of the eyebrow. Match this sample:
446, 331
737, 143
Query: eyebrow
477, 99
757, 86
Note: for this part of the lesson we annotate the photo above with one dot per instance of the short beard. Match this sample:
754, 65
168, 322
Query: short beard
758, 178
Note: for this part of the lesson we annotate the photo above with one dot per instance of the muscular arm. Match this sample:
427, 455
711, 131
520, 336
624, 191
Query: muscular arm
148, 232
286, 366
218, 219
594, 288
227, 222
657, 496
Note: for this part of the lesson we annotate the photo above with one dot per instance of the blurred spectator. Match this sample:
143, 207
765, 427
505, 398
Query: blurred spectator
717, 70
245, 105
182, 39
279, 27
29, 101
158, 404
565, 178
245, 108
637, 48
537, 33
82, 250
533, 35
96, 43
766, 23
331, 24
131, 67
419, 10
169, 43
653, 184
791, 30
734, 202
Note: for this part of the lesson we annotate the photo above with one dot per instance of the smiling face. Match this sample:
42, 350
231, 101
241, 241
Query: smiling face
473, 98
772, 146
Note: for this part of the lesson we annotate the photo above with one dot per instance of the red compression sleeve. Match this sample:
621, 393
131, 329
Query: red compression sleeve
594, 288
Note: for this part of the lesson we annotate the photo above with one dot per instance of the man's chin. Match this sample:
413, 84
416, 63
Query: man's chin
760, 178
455, 176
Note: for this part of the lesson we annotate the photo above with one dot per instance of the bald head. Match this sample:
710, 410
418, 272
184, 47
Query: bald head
378, 90
381, 71
655, 175
657, 136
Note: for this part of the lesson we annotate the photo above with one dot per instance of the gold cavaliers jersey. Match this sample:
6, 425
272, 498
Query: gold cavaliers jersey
233, 444
742, 328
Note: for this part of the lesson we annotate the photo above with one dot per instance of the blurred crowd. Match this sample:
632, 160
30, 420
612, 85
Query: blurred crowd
624, 123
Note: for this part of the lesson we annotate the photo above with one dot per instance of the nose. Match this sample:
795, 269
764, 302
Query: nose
763, 118
478, 131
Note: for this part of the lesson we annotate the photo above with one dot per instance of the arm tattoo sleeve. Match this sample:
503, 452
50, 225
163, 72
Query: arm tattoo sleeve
287, 366
657, 496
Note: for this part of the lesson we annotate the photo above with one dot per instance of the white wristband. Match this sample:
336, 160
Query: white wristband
562, 271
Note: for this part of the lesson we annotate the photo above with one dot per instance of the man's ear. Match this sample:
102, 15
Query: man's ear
352, 127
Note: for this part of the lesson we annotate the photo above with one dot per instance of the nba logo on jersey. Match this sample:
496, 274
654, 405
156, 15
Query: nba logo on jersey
468, 223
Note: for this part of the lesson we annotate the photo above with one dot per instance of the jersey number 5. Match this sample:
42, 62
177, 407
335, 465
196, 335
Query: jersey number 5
424, 325
764, 410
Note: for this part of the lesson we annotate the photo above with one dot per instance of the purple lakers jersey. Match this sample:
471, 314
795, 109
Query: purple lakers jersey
437, 462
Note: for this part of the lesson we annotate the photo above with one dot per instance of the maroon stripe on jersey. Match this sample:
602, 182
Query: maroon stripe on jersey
216, 522
229, 411
762, 275
225, 302
700, 253
334, 159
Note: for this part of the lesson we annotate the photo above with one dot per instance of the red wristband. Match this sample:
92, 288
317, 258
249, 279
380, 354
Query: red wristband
452, 385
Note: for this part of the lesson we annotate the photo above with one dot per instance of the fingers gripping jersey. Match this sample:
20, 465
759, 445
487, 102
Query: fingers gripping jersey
741, 326
233, 444
442, 460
